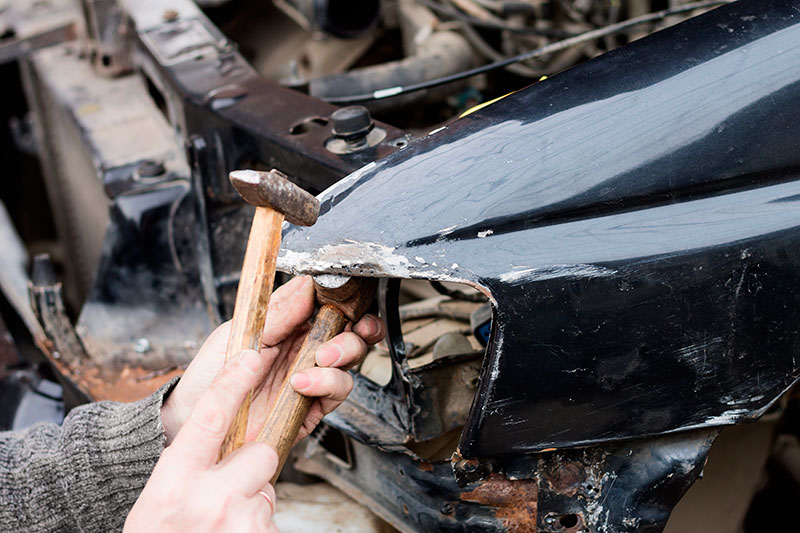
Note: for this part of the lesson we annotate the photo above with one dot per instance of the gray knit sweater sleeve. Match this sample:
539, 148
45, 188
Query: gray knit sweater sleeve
84, 475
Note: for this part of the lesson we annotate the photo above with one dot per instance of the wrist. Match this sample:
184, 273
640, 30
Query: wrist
170, 420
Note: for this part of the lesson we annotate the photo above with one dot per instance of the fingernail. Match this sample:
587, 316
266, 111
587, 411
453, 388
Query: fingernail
329, 355
251, 360
372, 326
300, 381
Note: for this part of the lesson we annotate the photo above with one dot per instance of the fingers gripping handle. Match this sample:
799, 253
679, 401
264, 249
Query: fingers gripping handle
250, 309
290, 408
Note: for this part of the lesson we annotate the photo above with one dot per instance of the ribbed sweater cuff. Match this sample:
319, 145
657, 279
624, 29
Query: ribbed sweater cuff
113, 448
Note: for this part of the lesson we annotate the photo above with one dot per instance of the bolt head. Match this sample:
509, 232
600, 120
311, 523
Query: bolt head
150, 168
351, 122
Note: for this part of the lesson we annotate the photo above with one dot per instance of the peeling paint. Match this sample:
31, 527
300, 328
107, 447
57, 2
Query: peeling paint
730, 399
350, 257
367, 259
597, 514
557, 271
728, 417
447, 231
497, 349
347, 181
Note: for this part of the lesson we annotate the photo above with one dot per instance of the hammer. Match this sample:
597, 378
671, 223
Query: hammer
343, 299
275, 198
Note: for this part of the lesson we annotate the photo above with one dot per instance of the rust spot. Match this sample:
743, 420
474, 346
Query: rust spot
514, 502
127, 384
425, 466
119, 384
567, 478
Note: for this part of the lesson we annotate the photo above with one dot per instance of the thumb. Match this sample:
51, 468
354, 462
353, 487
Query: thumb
201, 436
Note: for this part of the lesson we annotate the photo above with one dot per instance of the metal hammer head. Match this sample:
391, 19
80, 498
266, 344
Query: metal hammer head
274, 190
352, 296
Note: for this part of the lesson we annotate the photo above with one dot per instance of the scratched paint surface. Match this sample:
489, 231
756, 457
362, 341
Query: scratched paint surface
635, 221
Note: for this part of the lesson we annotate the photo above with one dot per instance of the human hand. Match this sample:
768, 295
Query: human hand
188, 490
290, 307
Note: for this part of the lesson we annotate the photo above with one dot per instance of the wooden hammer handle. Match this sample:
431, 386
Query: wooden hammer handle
289, 411
250, 309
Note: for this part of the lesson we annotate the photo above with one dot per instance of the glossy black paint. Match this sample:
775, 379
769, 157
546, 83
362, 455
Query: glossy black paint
635, 220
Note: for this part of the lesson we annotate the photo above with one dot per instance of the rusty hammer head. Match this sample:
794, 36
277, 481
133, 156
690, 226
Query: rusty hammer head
274, 190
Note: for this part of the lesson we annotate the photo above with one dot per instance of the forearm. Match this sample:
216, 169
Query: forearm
84, 475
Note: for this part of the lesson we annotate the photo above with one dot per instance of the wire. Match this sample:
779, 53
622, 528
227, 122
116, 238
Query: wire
388, 92
458, 15
457, 295
491, 54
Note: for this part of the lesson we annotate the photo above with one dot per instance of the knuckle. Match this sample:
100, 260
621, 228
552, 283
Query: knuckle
269, 454
226, 388
174, 496
325, 380
170, 455
211, 420
278, 306
261, 459
335, 379
352, 342
216, 512
347, 384
227, 376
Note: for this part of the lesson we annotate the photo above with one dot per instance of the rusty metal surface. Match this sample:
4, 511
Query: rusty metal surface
126, 384
143, 317
616, 488
514, 501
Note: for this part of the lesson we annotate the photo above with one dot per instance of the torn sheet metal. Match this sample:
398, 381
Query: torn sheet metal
635, 220
618, 487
